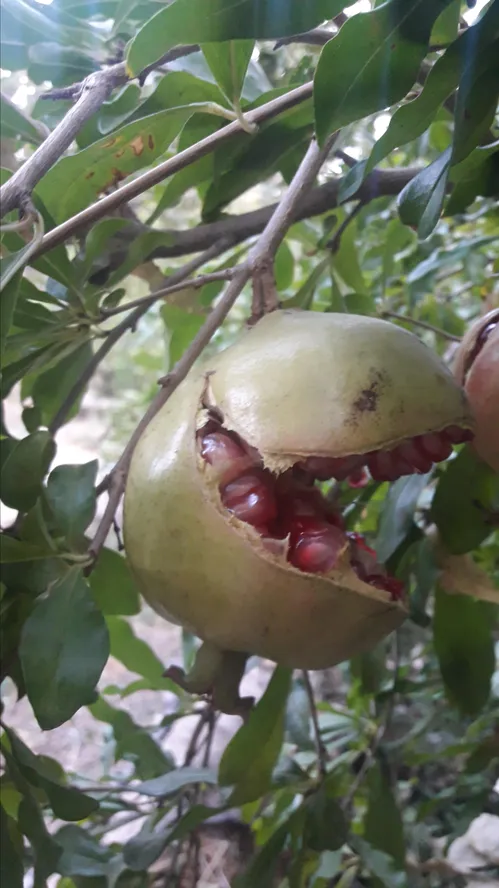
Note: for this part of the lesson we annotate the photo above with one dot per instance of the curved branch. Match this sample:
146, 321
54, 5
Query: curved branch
94, 90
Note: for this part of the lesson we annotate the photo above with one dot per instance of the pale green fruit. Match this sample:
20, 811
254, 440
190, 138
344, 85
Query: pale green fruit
298, 383
303, 383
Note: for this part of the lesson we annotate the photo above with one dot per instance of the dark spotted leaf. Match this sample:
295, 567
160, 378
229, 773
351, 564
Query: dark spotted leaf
77, 180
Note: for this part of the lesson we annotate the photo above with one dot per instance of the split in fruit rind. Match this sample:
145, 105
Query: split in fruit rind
197, 568
308, 383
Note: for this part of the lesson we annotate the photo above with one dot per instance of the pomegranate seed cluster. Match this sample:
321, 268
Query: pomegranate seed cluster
288, 511
293, 516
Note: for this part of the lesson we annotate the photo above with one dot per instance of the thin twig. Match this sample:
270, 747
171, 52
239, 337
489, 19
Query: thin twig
260, 255
128, 323
163, 170
322, 756
335, 242
224, 274
417, 323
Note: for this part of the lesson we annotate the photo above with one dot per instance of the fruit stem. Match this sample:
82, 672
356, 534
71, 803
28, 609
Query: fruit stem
216, 674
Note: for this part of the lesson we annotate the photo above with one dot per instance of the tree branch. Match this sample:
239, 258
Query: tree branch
260, 255
94, 90
184, 158
380, 183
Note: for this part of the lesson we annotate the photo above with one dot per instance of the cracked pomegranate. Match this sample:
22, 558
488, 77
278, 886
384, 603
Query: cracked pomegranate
477, 368
227, 528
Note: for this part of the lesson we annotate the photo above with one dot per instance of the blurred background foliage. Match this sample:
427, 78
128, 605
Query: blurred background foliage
363, 775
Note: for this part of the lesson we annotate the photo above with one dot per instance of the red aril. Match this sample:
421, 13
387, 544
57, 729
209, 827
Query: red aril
251, 498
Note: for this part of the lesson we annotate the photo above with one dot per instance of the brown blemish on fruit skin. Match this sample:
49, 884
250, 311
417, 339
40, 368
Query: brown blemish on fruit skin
367, 401
89, 174
150, 142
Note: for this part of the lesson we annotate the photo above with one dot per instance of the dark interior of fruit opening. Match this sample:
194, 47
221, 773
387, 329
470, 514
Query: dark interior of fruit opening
480, 342
293, 516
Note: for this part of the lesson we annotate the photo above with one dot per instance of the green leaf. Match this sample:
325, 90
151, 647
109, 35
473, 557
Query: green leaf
133, 743
346, 263
70, 493
67, 802
135, 654
398, 513
484, 754
383, 827
228, 63
11, 865
146, 846
50, 388
113, 586
379, 54
463, 500
77, 180
82, 855
410, 121
259, 156
284, 267
210, 21
446, 26
477, 175
64, 648
251, 755
46, 851
462, 634
24, 470
8, 300
420, 202
262, 868
379, 864
17, 125
12, 550
173, 781
325, 826
476, 106
182, 327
